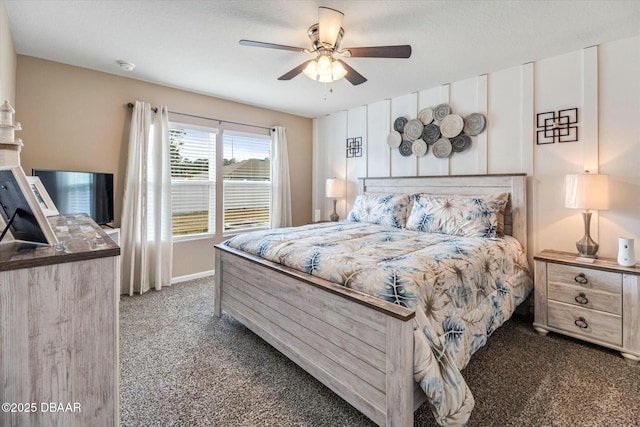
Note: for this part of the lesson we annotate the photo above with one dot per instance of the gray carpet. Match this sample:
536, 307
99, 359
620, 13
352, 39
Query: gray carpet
182, 367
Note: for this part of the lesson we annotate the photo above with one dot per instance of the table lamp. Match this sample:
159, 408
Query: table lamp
587, 191
334, 189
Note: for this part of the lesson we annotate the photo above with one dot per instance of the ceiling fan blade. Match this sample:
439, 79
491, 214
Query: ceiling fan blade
401, 51
329, 24
291, 74
270, 45
354, 77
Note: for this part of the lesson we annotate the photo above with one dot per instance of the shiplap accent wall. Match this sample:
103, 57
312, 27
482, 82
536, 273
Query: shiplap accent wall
601, 81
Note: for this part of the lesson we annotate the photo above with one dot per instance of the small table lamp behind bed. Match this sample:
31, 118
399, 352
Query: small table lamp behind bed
334, 189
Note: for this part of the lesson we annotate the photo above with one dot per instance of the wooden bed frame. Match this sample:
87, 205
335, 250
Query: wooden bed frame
359, 346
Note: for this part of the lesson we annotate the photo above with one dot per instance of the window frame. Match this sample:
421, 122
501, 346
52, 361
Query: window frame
219, 232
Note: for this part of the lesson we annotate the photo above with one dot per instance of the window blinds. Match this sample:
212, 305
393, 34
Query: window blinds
192, 180
246, 182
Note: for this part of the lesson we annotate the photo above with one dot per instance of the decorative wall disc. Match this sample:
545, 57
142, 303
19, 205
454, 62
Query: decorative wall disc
413, 129
405, 148
474, 124
442, 148
460, 143
451, 125
419, 147
394, 139
399, 123
441, 111
445, 132
426, 115
431, 133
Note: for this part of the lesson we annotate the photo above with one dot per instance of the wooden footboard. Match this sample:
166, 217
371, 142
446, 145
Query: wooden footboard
359, 346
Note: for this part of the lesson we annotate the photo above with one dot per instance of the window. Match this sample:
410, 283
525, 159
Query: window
245, 197
193, 179
246, 181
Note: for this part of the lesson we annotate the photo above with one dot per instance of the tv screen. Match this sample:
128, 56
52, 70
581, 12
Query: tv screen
80, 192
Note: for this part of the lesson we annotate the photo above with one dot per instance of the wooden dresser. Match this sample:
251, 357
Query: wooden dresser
59, 328
598, 302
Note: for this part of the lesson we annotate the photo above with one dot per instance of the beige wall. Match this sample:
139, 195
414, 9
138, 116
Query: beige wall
7, 59
74, 118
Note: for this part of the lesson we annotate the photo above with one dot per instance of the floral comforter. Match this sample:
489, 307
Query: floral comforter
462, 289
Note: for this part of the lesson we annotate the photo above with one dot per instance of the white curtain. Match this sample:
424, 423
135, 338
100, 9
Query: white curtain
280, 183
146, 247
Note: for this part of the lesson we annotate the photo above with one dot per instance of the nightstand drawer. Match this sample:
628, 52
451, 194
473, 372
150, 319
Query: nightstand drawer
585, 277
586, 298
592, 324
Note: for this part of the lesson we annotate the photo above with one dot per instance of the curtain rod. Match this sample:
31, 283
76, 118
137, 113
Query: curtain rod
155, 110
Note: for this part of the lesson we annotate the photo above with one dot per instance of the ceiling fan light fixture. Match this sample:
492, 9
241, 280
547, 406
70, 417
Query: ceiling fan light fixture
324, 65
324, 69
337, 70
329, 25
325, 78
311, 70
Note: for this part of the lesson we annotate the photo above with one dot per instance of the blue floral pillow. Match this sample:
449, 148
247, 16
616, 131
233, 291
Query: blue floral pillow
456, 215
384, 209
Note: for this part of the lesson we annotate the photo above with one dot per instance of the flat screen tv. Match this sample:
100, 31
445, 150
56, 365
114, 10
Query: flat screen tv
80, 192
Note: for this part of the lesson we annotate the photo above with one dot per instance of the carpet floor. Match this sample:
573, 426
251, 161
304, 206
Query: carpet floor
182, 367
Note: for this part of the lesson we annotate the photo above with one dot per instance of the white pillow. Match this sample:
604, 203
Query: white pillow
385, 209
467, 216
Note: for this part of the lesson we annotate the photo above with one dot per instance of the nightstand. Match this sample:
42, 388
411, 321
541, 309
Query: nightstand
598, 302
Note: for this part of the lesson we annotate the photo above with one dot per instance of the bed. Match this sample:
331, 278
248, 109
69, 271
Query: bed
370, 341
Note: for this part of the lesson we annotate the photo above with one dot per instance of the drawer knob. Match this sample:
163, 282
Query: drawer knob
581, 278
582, 299
581, 323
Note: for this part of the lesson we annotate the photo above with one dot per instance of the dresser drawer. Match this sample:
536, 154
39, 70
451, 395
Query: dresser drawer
585, 322
584, 297
585, 277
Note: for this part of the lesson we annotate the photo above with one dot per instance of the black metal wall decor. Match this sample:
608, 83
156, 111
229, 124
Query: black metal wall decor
561, 126
354, 147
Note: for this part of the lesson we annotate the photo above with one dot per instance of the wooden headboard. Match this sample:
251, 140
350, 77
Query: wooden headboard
515, 221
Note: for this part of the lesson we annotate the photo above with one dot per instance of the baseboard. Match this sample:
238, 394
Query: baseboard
200, 275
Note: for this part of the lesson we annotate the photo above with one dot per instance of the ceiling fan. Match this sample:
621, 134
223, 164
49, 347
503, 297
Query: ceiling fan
325, 37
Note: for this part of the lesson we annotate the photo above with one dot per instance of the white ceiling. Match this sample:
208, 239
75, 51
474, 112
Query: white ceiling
193, 45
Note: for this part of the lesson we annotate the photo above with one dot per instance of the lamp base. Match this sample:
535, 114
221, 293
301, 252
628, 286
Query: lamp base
334, 216
587, 251
587, 247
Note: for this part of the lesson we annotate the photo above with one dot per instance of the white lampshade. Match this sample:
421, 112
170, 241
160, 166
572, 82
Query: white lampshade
329, 24
337, 70
586, 191
324, 64
334, 188
325, 78
311, 70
